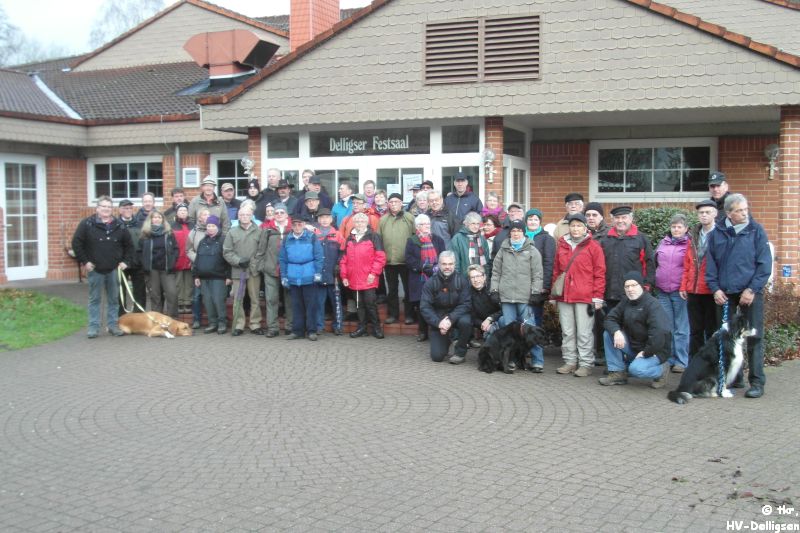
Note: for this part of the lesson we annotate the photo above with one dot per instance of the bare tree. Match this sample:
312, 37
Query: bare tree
16, 48
118, 16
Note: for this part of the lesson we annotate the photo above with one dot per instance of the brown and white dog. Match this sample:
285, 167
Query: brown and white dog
153, 324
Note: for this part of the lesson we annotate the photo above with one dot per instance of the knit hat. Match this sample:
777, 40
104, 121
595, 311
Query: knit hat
534, 211
636, 276
594, 206
516, 224
579, 217
212, 219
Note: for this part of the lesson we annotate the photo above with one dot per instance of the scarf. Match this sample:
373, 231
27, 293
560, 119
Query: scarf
531, 234
492, 233
427, 254
156, 230
475, 254
497, 211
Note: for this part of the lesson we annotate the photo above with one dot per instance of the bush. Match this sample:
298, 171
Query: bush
781, 324
654, 221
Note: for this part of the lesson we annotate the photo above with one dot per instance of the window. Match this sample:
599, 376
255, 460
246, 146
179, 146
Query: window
518, 186
460, 139
389, 180
283, 145
482, 49
473, 175
121, 180
652, 169
232, 171
513, 142
330, 180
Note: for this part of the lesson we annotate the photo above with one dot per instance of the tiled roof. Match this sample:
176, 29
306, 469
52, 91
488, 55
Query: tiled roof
20, 94
281, 22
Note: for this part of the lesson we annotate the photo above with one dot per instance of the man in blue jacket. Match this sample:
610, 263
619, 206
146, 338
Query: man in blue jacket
301, 261
738, 267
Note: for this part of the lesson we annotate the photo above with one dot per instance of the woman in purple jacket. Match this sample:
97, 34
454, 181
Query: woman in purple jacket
669, 269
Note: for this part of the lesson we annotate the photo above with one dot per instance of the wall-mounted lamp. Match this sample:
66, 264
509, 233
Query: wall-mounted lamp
771, 152
488, 160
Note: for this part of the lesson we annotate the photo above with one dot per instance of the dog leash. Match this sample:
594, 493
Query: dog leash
124, 278
721, 376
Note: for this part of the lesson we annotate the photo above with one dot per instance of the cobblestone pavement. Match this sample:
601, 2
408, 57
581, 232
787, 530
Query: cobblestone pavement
218, 433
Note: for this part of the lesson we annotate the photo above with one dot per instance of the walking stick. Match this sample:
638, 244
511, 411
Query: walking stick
239, 297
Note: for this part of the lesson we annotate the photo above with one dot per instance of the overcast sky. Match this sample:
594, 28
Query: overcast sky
67, 23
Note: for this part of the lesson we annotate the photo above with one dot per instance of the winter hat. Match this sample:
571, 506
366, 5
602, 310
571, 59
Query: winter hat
213, 219
636, 276
534, 211
595, 206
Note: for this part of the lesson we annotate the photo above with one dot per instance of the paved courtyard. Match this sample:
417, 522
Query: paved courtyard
218, 433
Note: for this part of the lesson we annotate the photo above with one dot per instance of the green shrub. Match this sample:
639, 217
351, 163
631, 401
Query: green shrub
654, 221
781, 324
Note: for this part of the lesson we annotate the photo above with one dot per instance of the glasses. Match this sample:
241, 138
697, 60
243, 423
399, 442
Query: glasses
477, 276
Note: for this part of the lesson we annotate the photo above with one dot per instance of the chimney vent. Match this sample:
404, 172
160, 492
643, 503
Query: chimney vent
309, 18
229, 53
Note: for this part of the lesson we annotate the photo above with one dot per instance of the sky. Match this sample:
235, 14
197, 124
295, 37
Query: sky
67, 23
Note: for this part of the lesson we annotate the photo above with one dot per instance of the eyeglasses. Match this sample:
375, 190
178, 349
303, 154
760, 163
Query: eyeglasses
477, 276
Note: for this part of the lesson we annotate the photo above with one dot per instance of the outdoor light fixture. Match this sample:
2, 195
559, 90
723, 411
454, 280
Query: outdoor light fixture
488, 160
771, 152
248, 165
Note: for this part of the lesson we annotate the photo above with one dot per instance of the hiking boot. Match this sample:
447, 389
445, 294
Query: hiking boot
210, 329
92, 333
614, 378
337, 332
536, 369
456, 359
678, 369
222, 330
293, 337
114, 330
390, 320
566, 368
377, 332
360, 332
660, 383
312, 336
196, 324
755, 391
583, 372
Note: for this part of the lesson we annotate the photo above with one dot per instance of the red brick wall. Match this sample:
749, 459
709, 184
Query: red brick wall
201, 161
309, 18
788, 237
494, 140
556, 170
254, 152
66, 206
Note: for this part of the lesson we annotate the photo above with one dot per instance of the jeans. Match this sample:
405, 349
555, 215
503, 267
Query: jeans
537, 352
755, 345
215, 293
304, 309
440, 344
617, 359
325, 293
677, 312
197, 300
97, 284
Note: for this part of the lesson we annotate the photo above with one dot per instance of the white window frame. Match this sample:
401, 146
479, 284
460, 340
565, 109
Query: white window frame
226, 157
90, 192
511, 162
652, 197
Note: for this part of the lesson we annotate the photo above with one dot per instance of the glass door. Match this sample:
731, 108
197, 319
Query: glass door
23, 210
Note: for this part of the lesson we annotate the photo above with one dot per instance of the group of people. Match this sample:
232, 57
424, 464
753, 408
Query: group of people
465, 268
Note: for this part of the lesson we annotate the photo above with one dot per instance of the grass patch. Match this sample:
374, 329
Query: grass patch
29, 318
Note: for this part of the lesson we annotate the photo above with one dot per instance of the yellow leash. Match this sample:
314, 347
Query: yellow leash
124, 278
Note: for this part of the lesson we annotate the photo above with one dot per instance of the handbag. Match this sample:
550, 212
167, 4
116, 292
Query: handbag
557, 289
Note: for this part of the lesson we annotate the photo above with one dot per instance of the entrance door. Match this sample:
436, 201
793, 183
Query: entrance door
22, 200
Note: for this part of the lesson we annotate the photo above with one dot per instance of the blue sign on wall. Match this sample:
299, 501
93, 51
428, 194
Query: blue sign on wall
786, 271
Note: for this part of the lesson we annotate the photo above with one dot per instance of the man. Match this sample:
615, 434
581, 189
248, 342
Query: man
239, 250
443, 223
102, 244
305, 176
310, 209
446, 306
208, 198
332, 243
178, 198
595, 220
232, 203
573, 204
284, 190
148, 204
515, 214
134, 273
718, 187
314, 185
637, 337
344, 206
414, 191
738, 267
267, 258
462, 201
395, 227
625, 249
270, 192
369, 192
699, 300
359, 206
301, 262
426, 185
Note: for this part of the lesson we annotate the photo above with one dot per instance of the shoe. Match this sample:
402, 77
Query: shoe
456, 359
755, 391
360, 332
337, 332
272, 333
537, 369
222, 330
582, 372
422, 337
390, 320
114, 330
512, 366
566, 369
377, 332
257, 331
196, 324
474, 343
92, 333
237, 332
210, 329
678, 369
408, 321
293, 337
312, 336
614, 378
660, 383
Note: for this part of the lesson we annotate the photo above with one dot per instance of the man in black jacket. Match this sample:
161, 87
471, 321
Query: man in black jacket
638, 336
445, 305
625, 249
102, 243
136, 276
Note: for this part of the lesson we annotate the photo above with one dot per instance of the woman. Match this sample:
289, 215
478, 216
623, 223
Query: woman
183, 266
494, 207
420, 206
269, 215
469, 246
581, 261
360, 268
491, 227
196, 235
669, 258
517, 278
212, 274
380, 204
485, 305
422, 253
546, 245
158, 250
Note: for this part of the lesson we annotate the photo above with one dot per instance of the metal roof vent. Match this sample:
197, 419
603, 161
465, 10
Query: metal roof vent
230, 53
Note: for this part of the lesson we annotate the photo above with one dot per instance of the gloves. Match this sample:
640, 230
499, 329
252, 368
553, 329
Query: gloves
285, 282
537, 299
317, 278
244, 263
427, 269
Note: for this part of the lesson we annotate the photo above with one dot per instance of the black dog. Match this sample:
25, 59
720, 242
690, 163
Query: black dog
511, 343
700, 378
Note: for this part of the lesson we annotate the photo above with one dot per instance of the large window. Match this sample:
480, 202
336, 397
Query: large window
652, 169
121, 180
232, 171
330, 180
399, 180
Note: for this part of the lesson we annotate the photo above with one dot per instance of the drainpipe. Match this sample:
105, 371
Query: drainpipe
178, 177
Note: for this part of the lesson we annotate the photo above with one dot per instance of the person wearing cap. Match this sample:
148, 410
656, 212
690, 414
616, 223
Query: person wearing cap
284, 190
344, 205
395, 228
331, 242
669, 260
738, 268
595, 219
494, 207
573, 204
310, 208
446, 305
314, 185
462, 200
181, 227
718, 188
515, 213
470, 246
270, 242
301, 260
228, 193
305, 178
421, 254
517, 277
208, 198
546, 246
625, 249
443, 223
239, 249
638, 337
699, 301
134, 272
148, 204
412, 205
212, 275
178, 197
580, 259
359, 206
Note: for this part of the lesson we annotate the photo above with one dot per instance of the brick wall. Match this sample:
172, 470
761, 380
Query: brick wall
556, 170
494, 140
201, 161
66, 206
254, 152
309, 18
788, 238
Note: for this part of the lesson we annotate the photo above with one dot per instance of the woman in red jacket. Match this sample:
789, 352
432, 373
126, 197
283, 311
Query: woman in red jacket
581, 260
361, 268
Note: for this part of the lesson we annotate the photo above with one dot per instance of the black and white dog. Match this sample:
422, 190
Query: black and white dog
510, 343
700, 378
